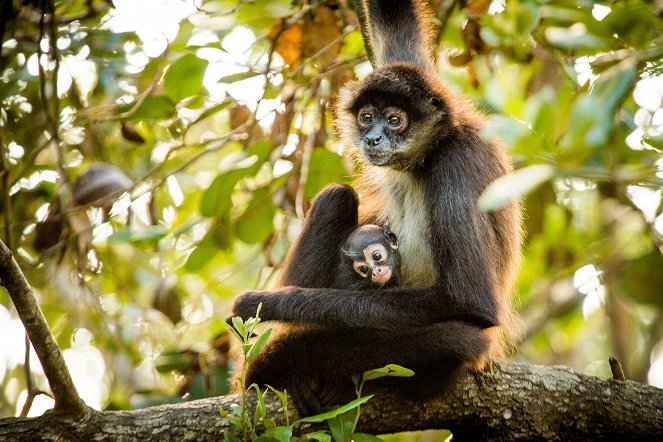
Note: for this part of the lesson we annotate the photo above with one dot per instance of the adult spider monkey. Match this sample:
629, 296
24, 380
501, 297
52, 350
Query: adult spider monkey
425, 165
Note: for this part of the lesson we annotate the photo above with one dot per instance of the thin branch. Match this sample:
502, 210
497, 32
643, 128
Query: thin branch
66, 397
6, 198
32, 391
33, 16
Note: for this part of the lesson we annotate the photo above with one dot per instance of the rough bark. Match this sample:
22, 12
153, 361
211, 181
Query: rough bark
510, 401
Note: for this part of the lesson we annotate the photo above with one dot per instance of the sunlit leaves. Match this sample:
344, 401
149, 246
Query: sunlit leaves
216, 200
510, 187
255, 225
325, 167
642, 279
153, 107
593, 114
184, 78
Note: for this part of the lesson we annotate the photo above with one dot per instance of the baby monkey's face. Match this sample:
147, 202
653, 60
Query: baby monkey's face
376, 264
373, 252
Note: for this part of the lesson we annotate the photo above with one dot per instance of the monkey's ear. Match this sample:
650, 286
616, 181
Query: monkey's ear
346, 254
391, 236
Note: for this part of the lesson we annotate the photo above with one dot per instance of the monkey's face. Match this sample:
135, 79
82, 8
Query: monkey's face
393, 117
381, 133
376, 264
373, 253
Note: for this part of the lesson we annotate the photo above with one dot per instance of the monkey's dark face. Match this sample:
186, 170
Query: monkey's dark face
392, 116
372, 251
381, 132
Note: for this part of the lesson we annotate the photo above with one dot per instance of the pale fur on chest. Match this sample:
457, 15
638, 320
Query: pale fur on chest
404, 210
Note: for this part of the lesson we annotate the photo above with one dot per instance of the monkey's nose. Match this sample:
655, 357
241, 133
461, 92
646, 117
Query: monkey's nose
374, 141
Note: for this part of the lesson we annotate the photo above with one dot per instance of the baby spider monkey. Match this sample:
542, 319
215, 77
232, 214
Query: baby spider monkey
369, 259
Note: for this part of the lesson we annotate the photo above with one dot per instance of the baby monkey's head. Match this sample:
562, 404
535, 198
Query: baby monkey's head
372, 253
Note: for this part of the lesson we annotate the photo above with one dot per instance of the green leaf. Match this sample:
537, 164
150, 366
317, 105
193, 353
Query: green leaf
325, 167
230, 437
237, 77
146, 236
255, 225
261, 150
518, 183
258, 346
279, 434
178, 360
321, 436
388, 370
341, 425
153, 107
572, 38
201, 255
363, 437
642, 279
216, 200
268, 423
654, 140
593, 115
261, 410
238, 324
609, 91
340, 410
280, 394
185, 77
211, 111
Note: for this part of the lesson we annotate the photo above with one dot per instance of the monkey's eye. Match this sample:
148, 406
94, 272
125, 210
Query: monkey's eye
365, 117
394, 120
363, 270
377, 256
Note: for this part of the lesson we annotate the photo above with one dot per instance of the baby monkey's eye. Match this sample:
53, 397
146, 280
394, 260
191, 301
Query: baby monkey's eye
377, 256
363, 270
394, 120
365, 117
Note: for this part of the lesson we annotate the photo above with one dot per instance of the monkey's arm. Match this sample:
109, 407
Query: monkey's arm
313, 258
471, 248
383, 309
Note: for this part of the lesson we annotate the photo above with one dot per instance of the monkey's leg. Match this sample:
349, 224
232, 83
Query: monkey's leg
316, 365
313, 259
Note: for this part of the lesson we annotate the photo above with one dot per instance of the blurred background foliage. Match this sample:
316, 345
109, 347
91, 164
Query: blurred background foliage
158, 157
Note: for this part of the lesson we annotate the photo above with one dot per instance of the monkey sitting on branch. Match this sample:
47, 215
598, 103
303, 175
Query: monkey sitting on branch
424, 165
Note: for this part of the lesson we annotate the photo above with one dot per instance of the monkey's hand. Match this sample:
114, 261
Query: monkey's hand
246, 305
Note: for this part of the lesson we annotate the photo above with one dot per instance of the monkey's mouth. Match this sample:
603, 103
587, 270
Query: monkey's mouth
378, 156
382, 278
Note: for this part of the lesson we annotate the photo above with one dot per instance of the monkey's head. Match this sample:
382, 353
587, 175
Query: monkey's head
371, 254
394, 116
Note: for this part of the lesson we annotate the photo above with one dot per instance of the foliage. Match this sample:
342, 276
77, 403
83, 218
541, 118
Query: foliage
157, 158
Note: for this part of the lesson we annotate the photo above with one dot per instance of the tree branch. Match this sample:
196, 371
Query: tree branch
508, 402
66, 397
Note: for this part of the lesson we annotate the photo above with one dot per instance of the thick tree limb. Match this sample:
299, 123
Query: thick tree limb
508, 402
67, 400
